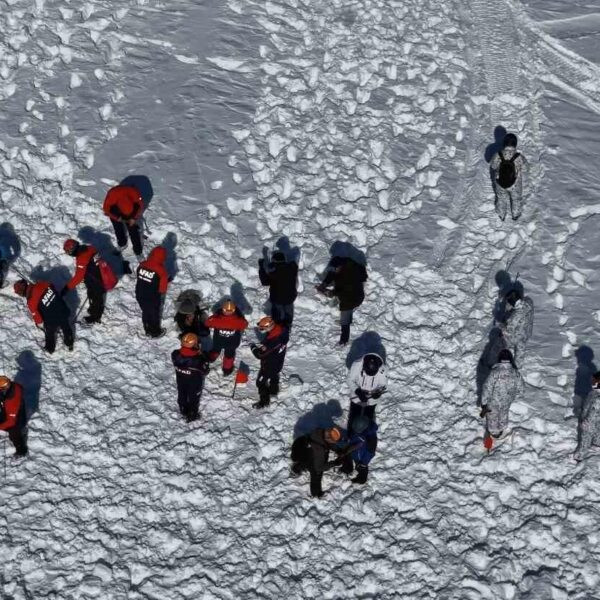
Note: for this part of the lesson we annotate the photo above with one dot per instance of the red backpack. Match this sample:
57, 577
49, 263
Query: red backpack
109, 279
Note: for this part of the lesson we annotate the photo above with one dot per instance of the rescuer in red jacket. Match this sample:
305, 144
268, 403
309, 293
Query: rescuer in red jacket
124, 206
87, 269
151, 286
227, 325
12, 414
48, 310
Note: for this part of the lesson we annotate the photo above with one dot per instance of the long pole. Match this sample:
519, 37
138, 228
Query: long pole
80, 309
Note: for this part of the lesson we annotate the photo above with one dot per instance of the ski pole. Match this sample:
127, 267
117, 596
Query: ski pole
80, 309
146, 226
19, 273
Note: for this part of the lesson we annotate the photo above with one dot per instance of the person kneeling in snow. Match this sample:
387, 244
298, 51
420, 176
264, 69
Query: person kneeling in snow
271, 353
519, 322
589, 426
310, 453
368, 381
362, 445
500, 389
506, 170
191, 367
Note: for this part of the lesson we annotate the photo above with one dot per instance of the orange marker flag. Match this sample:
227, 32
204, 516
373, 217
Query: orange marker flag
241, 376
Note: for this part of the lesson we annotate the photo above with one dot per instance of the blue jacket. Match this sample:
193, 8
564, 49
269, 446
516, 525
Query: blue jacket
366, 443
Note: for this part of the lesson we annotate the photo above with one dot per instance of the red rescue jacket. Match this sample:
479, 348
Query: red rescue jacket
12, 405
123, 202
34, 295
82, 262
156, 262
227, 322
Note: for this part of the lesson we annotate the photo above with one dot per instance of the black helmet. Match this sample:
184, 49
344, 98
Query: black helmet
510, 139
371, 364
360, 423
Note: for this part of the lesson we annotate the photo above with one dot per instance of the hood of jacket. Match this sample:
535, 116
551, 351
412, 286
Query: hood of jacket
157, 256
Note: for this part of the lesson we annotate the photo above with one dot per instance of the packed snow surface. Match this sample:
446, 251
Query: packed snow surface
365, 121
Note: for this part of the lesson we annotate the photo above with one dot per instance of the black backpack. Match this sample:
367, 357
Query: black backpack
507, 173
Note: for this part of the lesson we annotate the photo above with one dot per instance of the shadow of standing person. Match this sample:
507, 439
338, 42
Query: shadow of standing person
583, 378
29, 376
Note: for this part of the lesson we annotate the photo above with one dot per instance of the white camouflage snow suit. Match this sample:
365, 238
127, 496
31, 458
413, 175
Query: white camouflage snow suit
357, 378
518, 327
502, 386
514, 194
589, 426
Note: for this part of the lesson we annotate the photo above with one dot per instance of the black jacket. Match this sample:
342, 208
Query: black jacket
271, 351
281, 279
312, 451
190, 367
196, 326
348, 278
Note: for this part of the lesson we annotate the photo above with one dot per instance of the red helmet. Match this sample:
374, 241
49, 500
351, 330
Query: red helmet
70, 246
20, 287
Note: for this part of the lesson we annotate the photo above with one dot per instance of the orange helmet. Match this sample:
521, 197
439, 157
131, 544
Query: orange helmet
334, 434
189, 340
266, 324
70, 246
4, 382
228, 307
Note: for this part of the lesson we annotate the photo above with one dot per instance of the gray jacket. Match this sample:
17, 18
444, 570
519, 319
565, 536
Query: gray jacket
519, 324
502, 386
589, 426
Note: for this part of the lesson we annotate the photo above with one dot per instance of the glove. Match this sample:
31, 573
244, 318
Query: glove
484, 411
362, 395
376, 394
205, 368
255, 349
64, 291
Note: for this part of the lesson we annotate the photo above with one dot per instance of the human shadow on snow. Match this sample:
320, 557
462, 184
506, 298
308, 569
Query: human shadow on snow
292, 253
506, 284
320, 415
488, 358
143, 186
169, 243
496, 145
104, 245
236, 295
366, 343
10, 248
583, 378
29, 376
346, 249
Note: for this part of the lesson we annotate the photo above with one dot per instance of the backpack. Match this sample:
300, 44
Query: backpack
109, 279
507, 173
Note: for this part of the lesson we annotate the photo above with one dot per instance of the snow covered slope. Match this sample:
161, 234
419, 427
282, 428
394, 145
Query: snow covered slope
367, 121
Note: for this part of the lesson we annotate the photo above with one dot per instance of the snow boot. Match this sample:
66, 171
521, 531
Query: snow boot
91, 320
345, 335
363, 472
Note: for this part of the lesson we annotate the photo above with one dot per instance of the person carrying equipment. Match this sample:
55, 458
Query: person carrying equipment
95, 273
190, 316
506, 171
271, 353
49, 311
281, 277
191, 367
124, 206
310, 453
227, 325
150, 289
12, 414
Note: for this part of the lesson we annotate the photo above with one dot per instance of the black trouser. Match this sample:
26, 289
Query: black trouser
96, 298
3, 270
301, 461
135, 234
267, 384
151, 317
51, 330
188, 398
18, 434
359, 409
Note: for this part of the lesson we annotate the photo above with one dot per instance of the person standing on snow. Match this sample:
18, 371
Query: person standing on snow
506, 170
281, 277
589, 426
362, 445
124, 206
48, 310
517, 328
191, 367
310, 453
345, 279
150, 289
271, 353
367, 381
227, 325
87, 269
12, 414
500, 389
